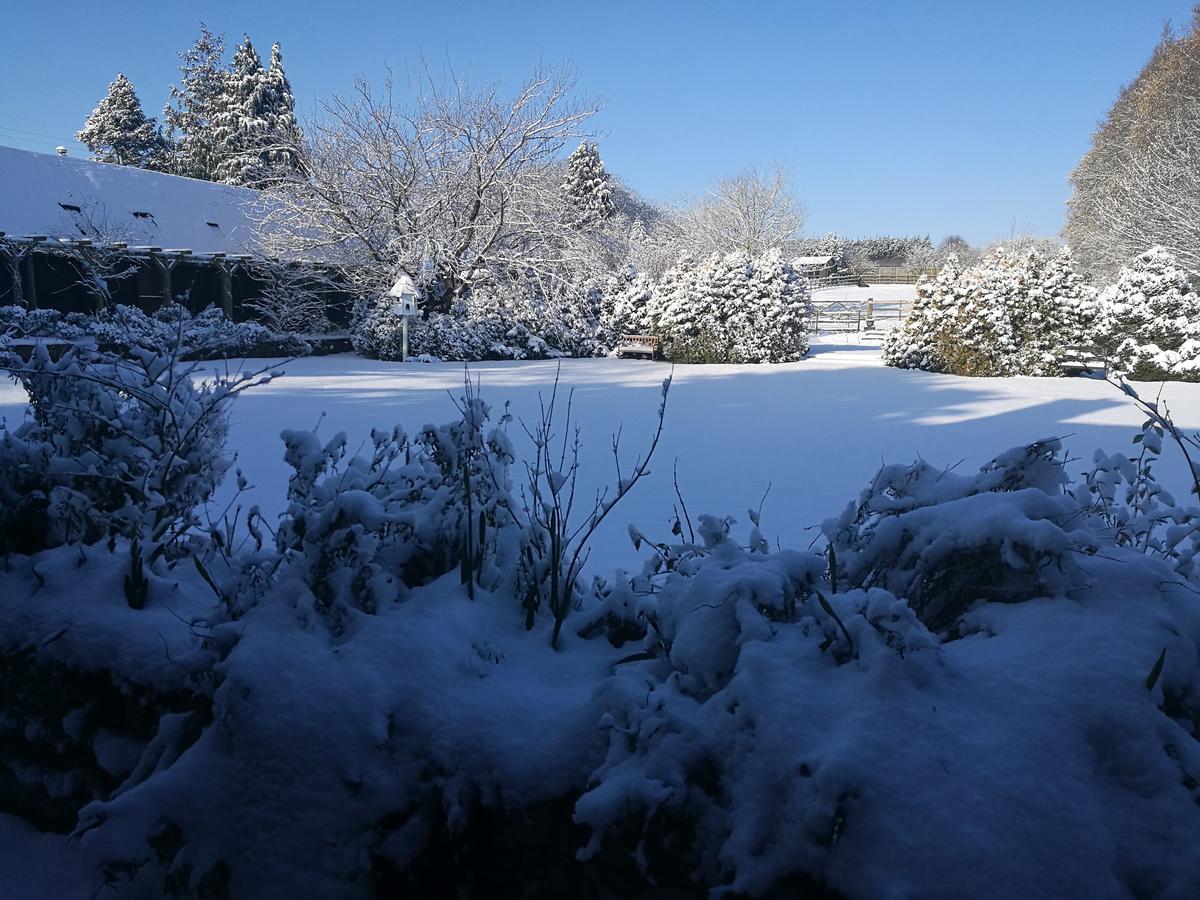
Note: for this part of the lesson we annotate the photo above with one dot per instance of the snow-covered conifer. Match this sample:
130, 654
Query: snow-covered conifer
240, 123
586, 183
1148, 322
189, 116
118, 131
1013, 314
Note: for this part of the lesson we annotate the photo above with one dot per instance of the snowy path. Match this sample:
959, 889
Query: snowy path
815, 430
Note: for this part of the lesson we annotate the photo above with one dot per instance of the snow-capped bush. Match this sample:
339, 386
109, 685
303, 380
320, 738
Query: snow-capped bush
518, 321
1148, 322
113, 444
364, 532
944, 541
731, 308
170, 327
1013, 314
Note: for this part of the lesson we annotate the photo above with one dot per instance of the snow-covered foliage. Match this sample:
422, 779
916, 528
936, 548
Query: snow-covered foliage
778, 722
518, 320
112, 445
1148, 322
195, 104
586, 184
363, 533
1013, 314
731, 308
118, 131
254, 120
207, 333
890, 250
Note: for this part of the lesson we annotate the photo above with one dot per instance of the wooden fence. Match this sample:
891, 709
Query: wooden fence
895, 275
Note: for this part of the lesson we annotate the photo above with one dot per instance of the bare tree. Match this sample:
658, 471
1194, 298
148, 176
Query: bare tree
751, 211
1139, 184
463, 184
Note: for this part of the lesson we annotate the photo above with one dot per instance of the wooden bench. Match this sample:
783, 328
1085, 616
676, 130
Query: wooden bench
1079, 359
641, 345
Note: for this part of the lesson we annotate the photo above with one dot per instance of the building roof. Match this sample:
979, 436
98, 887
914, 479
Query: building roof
813, 260
66, 197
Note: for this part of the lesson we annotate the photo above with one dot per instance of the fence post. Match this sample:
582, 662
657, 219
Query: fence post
870, 313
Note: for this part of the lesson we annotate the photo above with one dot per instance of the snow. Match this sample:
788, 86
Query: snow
1023, 756
815, 431
33, 185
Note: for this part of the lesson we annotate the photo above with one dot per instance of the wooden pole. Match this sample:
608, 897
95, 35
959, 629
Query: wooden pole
404, 339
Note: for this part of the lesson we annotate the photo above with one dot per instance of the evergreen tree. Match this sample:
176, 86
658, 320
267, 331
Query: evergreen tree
586, 184
1013, 314
195, 151
283, 131
255, 125
1148, 322
240, 121
118, 131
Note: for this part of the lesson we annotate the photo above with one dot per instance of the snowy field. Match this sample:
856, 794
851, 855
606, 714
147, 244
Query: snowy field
814, 432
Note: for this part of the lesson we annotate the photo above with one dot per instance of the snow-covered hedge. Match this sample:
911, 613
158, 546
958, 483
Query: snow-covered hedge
518, 321
732, 308
1015, 649
1013, 314
1148, 322
208, 332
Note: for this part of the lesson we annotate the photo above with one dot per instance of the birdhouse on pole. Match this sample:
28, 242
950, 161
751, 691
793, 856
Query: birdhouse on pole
404, 292
404, 295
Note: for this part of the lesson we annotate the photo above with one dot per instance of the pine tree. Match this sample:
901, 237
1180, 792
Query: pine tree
117, 131
586, 184
283, 131
1148, 322
1013, 314
255, 125
189, 117
240, 121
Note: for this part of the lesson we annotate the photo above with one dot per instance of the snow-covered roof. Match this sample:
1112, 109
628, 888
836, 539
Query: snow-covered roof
61, 196
813, 260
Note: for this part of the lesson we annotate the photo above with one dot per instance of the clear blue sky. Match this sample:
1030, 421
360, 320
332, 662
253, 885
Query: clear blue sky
894, 117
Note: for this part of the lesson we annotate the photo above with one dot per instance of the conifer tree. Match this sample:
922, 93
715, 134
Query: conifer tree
118, 131
586, 184
283, 131
240, 121
189, 116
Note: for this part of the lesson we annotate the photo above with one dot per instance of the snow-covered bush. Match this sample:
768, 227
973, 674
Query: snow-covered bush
1148, 322
731, 308
944, 541
1013, 314
362, 533
171, 326
517, 321
113, 444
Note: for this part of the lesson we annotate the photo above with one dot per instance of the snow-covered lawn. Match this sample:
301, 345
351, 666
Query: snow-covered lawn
1022, 750
814, 431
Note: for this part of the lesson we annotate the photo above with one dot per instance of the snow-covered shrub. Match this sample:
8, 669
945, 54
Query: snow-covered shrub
627, 298
113, 444
1013, 314
363, 532
944, 541
517, 320
170, 327
1148, 322
732, 308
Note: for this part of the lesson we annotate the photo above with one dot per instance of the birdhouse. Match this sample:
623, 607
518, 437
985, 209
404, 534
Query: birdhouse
404, 292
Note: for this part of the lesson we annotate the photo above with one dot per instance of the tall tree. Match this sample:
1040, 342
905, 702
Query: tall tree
118, 131
193, 105
241, 119
284, 137
1139, 184
586, 183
